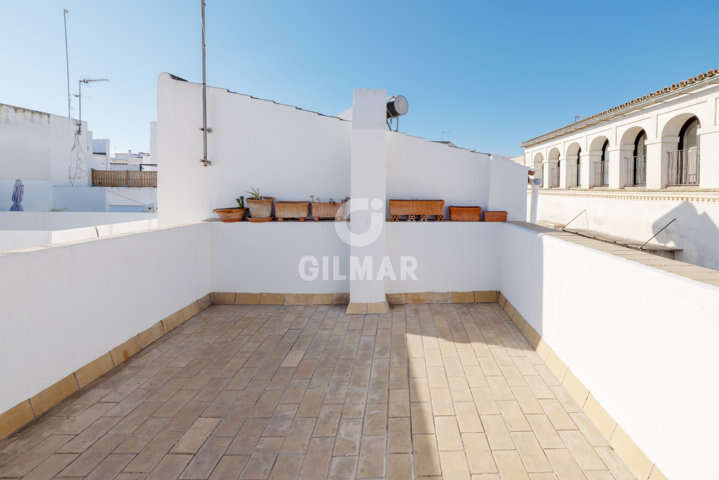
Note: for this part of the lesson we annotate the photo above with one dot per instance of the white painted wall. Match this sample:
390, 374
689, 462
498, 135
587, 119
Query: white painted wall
65, 306
640, 339
696, 230
265, 257
37, 146
286, 152
420, 169
291, 154
451, 256
507, 187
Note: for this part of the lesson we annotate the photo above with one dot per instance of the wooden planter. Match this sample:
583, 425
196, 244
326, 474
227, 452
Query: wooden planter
229, 215
416, 209
294, 210
465, 214
260, 208
333, 210
498, 216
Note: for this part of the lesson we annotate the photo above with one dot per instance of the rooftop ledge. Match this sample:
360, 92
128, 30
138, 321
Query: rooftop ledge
581, 304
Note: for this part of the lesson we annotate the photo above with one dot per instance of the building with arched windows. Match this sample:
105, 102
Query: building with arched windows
628, 171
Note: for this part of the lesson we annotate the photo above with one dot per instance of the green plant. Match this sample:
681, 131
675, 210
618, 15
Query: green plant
255, 194
240, 202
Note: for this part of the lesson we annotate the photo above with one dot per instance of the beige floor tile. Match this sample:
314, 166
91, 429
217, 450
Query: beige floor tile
584, 454
448, 437
467, 417
193, 439
510, 465
426, 455
454, 466
478, 452
544, 431
441, 401
564, 465
557, 415
531, 452
399, 467
497, 433
372, 457
513, 416
342, 468
400, 440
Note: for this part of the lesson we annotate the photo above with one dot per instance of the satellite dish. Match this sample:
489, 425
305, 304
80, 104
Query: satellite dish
397, 105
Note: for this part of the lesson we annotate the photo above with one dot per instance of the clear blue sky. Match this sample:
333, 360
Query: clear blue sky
484, 74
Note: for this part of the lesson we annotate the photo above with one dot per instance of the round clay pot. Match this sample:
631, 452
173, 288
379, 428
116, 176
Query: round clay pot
231, 214
260, 208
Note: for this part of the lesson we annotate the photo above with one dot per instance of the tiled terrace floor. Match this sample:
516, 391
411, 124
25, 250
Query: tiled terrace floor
253, 392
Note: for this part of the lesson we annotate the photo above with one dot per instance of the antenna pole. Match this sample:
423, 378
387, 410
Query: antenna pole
205, 161
67, 61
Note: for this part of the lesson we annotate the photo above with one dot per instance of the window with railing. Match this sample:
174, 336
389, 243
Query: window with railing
683, 167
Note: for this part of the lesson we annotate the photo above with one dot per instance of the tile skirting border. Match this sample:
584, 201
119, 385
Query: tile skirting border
633, 456
245, 298
28, 410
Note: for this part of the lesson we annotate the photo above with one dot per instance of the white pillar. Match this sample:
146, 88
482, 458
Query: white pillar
657, 151
709, 158
587, 169
547, 174
615, 167
368, 182
563, 173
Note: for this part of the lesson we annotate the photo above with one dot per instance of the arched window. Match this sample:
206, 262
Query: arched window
686, 168
579, 167
604, 162
640, 159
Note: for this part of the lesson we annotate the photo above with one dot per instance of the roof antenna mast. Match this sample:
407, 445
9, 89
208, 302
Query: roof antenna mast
205, 162
67, 61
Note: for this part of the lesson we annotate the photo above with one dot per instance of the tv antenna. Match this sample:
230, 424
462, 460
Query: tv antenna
86, 81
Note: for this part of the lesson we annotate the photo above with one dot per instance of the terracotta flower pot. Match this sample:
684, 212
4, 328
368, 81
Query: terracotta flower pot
416, 209
260, 208
498, 216
333, 210
296, 210
465, 214
229, 215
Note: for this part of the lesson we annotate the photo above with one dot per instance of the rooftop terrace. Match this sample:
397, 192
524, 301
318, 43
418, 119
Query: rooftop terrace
253, 392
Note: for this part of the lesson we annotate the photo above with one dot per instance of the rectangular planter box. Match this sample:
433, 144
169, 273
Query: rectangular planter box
465, 214
416, 209
333, 211
498, 216
292, 210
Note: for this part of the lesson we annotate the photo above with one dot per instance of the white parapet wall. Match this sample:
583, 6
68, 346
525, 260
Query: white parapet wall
450, 256
637, 216
65, 306
291, 153
642, 341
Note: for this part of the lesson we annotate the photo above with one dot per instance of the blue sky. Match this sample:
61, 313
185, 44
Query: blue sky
484, 74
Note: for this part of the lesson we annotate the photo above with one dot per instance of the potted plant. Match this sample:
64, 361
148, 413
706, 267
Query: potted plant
233, 214
465, 214
331, 209
292, 210
416, 209
260, 206
497, 216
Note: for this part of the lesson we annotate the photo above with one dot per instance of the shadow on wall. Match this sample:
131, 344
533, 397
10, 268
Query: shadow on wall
693, 232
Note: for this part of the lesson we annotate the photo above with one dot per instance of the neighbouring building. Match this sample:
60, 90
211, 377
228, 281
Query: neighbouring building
58, 162
629, 171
